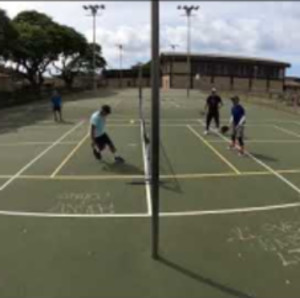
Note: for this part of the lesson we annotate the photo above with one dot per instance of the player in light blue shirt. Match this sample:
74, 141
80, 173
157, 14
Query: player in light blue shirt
99, 137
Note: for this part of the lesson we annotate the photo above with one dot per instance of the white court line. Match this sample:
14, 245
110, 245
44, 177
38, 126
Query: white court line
40, 155
34, 143
287, 131
230, 210
145, 215
72, 215
69, 156
147, 172
224, 159
279, 176
260, 141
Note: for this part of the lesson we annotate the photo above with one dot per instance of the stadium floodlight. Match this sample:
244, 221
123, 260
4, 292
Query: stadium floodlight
94, 13
188, 13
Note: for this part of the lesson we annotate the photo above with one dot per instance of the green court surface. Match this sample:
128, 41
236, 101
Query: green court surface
73, 226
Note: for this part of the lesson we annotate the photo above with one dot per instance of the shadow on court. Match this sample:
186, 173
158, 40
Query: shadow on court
170, 184
203, 279
32, 113
264, 157
124, 168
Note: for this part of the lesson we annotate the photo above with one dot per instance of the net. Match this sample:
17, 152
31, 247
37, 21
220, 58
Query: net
145, 131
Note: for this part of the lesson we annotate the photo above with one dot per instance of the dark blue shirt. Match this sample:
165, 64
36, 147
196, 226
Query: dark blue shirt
56, 100
237, 113
213, 102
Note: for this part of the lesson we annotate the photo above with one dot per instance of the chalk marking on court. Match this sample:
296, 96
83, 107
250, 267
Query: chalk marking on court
277, 174
40, 155
70, 155
147, 171
287, 131
224, 159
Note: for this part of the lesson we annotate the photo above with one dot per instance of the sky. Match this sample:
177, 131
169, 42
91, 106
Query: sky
255, 29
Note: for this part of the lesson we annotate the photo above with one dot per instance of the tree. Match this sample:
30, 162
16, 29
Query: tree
73, 46
38, 45
8, 35
82, 64
87, 59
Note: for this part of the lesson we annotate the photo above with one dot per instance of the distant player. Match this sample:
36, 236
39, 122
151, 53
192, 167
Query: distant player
56, 106
213, 104
100, 139
237, 121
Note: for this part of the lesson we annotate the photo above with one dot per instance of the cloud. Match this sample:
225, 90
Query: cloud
263, 29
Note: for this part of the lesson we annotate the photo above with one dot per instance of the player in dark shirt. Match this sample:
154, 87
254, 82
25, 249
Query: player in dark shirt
213, 104
237, 120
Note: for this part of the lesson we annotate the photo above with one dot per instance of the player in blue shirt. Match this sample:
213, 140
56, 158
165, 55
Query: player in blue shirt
100, 138
56, 105
237, 121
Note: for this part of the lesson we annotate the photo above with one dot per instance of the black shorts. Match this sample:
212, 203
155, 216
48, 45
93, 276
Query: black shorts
56, 108
104, 141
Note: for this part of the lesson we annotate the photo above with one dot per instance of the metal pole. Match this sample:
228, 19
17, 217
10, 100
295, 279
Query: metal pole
188, 55
94, 53
121, 48
93, 9
155, 83
188, 13
140, 81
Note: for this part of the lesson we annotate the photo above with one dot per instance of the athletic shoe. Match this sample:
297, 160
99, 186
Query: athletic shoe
206, 132
231, 147
97, 154
119, 159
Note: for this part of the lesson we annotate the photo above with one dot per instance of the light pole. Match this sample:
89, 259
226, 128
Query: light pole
188, 13
120, 47
94, 13
173, 47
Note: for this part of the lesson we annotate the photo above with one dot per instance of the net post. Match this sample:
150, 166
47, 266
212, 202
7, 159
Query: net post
155, 85
140, 75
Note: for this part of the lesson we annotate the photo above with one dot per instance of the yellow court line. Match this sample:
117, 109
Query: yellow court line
69, 155
292, 171
214, 150
85, 177
176, 176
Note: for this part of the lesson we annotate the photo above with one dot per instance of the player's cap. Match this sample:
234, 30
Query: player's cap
106, 109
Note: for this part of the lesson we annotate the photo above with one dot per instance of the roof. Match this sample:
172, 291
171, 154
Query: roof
223, 57
291, 83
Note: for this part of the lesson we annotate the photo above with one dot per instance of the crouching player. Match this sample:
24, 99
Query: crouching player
100, 139
237, 121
